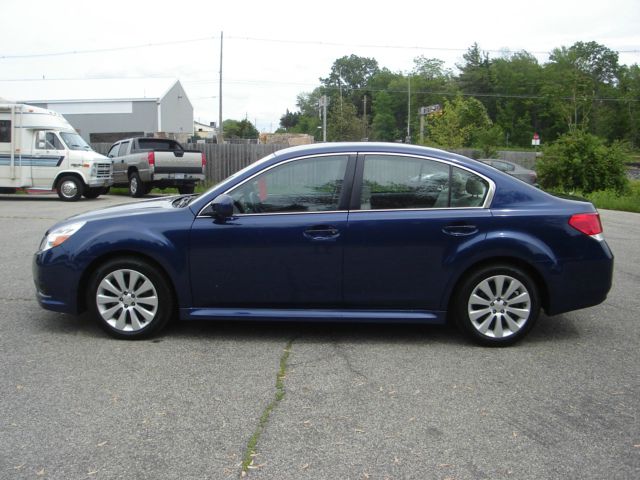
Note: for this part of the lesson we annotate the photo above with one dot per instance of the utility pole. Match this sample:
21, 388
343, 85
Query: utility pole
409, 108
324, 101
365, 118
220, 136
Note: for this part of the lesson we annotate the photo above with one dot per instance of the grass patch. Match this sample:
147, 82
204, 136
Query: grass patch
610, 200
252, 445
201, 187
629, 201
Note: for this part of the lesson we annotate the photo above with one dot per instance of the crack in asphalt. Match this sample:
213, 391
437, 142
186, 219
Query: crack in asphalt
343, 355
252, 444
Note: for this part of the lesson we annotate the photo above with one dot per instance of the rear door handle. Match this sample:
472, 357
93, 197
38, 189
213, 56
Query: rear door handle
460, 230
322, 233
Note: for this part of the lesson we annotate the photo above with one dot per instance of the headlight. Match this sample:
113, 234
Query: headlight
60, 235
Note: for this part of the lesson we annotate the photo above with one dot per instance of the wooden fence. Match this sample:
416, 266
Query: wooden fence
222, 160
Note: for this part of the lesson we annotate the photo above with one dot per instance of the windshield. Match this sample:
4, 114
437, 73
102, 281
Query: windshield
74, 141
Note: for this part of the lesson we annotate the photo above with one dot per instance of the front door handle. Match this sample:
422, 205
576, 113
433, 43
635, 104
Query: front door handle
460, 230
322, 233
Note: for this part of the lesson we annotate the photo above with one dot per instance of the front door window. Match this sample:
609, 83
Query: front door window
306, 185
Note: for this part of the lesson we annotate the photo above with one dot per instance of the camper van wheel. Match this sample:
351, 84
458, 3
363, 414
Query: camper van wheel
70, 188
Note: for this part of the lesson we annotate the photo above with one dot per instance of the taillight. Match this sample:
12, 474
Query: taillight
204, 160
587, 223
151, 157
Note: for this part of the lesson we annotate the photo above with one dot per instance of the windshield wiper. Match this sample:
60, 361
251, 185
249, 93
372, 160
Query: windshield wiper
183, 201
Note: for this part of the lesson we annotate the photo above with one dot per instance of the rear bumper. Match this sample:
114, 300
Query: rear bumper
581, 283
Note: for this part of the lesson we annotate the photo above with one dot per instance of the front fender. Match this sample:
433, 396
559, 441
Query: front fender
163, 249
78, 173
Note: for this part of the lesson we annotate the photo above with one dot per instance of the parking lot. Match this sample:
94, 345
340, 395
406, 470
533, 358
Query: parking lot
360, 401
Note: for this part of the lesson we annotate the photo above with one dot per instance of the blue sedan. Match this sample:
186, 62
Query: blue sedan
334, 232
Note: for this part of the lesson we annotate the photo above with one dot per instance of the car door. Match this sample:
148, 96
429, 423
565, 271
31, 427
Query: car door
410, 217
283, 247
120, 167
49, 153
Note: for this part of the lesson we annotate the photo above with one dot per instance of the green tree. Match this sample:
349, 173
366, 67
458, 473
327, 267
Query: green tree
581, 161
476, 77
289, 120
343, 123
349, 79
463, 123
239, 129
383, 126
628, 116
518, 78
576, 76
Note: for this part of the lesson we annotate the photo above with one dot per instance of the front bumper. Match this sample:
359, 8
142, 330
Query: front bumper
56, 282
100, 182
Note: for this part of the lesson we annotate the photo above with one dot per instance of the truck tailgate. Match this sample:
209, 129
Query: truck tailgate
169, 162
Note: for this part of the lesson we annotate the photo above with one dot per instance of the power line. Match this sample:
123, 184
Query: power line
274, 40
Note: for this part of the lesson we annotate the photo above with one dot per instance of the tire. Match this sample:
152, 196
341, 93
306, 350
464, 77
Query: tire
136, 187
186, 189
70, 188
497, 305
93, 192
130, 298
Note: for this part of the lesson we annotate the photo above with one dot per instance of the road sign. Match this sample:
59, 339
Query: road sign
430, 109
535, 141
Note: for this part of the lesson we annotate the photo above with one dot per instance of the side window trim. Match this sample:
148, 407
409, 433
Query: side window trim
347, 185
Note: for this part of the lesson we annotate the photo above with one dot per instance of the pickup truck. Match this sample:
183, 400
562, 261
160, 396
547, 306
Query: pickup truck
145, 163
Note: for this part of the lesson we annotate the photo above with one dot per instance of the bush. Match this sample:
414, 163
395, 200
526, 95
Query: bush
579, 161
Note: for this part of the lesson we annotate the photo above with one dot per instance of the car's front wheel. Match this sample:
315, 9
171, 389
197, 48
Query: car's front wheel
70, 188
130, 298
497, 305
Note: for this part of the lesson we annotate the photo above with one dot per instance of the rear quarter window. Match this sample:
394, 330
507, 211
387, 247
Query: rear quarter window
158, 144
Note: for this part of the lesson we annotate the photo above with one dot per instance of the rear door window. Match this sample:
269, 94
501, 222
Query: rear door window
398, 182
392, 182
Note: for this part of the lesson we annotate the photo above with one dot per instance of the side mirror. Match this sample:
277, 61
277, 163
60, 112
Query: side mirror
222, 207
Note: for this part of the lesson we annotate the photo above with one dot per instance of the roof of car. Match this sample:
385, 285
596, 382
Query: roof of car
382, 147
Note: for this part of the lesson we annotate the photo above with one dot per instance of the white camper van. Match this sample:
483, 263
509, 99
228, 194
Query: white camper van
40, 150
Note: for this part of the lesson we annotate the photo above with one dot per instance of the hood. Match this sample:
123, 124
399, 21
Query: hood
143, 207
88, 155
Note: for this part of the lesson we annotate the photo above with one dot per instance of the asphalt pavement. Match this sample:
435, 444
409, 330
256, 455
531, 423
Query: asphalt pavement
360, 401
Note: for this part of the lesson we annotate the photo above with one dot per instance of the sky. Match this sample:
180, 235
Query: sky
273, 51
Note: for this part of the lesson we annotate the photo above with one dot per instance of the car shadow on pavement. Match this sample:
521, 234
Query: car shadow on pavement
548, 329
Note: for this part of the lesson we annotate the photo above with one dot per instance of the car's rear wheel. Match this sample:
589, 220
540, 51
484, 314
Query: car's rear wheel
497, 305
130, 298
